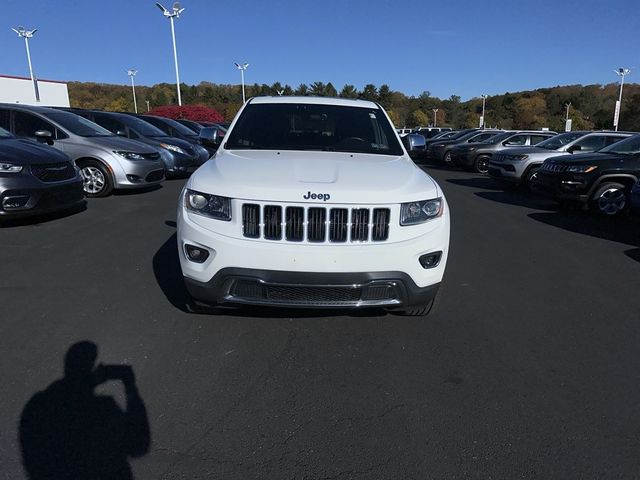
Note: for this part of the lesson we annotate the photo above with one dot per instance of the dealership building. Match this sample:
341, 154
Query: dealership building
21, 90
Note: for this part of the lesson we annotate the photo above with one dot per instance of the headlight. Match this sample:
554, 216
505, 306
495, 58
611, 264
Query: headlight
516, 158
581, 168
130, 155
413, 213
10, 168
212, 206
173, 148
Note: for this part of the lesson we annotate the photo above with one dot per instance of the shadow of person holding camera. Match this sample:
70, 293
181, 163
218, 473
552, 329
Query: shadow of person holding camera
69, 432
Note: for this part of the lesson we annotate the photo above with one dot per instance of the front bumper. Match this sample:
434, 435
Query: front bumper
324, 264
316, 290
35, 197
506, 172
561, 187
138, 173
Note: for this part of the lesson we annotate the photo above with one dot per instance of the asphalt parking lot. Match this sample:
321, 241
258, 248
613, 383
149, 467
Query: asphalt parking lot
529, 369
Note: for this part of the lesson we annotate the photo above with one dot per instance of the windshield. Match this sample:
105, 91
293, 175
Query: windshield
183, 130
5, 134
141, 127
296, 126
559, 141
628, 146
78, 125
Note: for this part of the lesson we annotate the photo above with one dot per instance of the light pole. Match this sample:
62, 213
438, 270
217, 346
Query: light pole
435, 117
484, 99
147, 105
567, 122
132, 73
242, 67
621, 72
27, 34
175, 12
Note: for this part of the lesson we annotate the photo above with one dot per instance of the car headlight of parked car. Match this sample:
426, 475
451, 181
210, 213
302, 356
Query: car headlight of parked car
581, 168
413, 213
130, 155
173, 148
10, 168
213, 206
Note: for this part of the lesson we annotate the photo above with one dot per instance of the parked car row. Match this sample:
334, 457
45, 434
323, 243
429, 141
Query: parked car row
595, 169
51, 158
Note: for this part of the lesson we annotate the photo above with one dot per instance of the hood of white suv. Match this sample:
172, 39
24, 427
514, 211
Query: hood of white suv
313, 177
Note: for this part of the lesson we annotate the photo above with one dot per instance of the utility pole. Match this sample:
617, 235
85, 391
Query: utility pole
621, 72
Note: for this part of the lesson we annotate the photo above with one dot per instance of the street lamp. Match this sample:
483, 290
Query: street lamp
132, 73
242, 68
621, 72
27, 34
567, 122
175, 12
435, 117
484, 99
147, 101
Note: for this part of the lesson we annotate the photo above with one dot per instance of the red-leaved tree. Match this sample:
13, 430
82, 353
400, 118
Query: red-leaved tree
198, 113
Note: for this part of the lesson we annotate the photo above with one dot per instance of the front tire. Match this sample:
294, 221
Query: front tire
447, 159
97, 179
610, 199
481, 165
530, 176
422, 310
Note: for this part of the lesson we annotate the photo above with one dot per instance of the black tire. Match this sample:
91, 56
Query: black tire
610, 199
529, 176
481, 165
97, 178
424, 309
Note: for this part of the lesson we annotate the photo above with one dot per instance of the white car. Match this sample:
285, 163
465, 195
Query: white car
313, 202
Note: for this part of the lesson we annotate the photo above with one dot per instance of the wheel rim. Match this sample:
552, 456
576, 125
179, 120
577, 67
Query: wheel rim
447, 157
482, 166
93, 178
612, 201
532, 175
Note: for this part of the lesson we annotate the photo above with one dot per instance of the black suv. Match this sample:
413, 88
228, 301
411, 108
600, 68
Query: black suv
441, 149
602, 180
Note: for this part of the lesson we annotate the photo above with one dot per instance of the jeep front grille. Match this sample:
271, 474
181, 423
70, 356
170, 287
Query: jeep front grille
315, 224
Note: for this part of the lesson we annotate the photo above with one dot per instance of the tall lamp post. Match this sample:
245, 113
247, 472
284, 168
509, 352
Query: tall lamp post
435, 117
175, 12
621, 72
484, 99
242, 67
27, 34
132, 73
567, 121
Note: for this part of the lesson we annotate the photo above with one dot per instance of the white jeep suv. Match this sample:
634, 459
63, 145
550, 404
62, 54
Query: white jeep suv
313, 202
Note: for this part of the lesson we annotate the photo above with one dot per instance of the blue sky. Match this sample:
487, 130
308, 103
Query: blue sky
449, 47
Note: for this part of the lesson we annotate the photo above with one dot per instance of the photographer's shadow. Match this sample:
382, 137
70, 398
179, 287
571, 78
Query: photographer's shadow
69, 432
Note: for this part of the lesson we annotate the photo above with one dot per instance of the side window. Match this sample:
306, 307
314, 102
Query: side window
4, 120
591, 143
609, 140
517, 140
26, 125
535, 139
133, 134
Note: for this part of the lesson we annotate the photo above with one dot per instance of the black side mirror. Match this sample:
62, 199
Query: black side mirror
574, 148
121, 133
414, 143
44, 136
209, 136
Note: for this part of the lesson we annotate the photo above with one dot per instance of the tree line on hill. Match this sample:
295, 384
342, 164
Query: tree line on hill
591, 106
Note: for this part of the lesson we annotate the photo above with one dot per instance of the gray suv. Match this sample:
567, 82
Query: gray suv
105, 160
476, 157
520, 165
